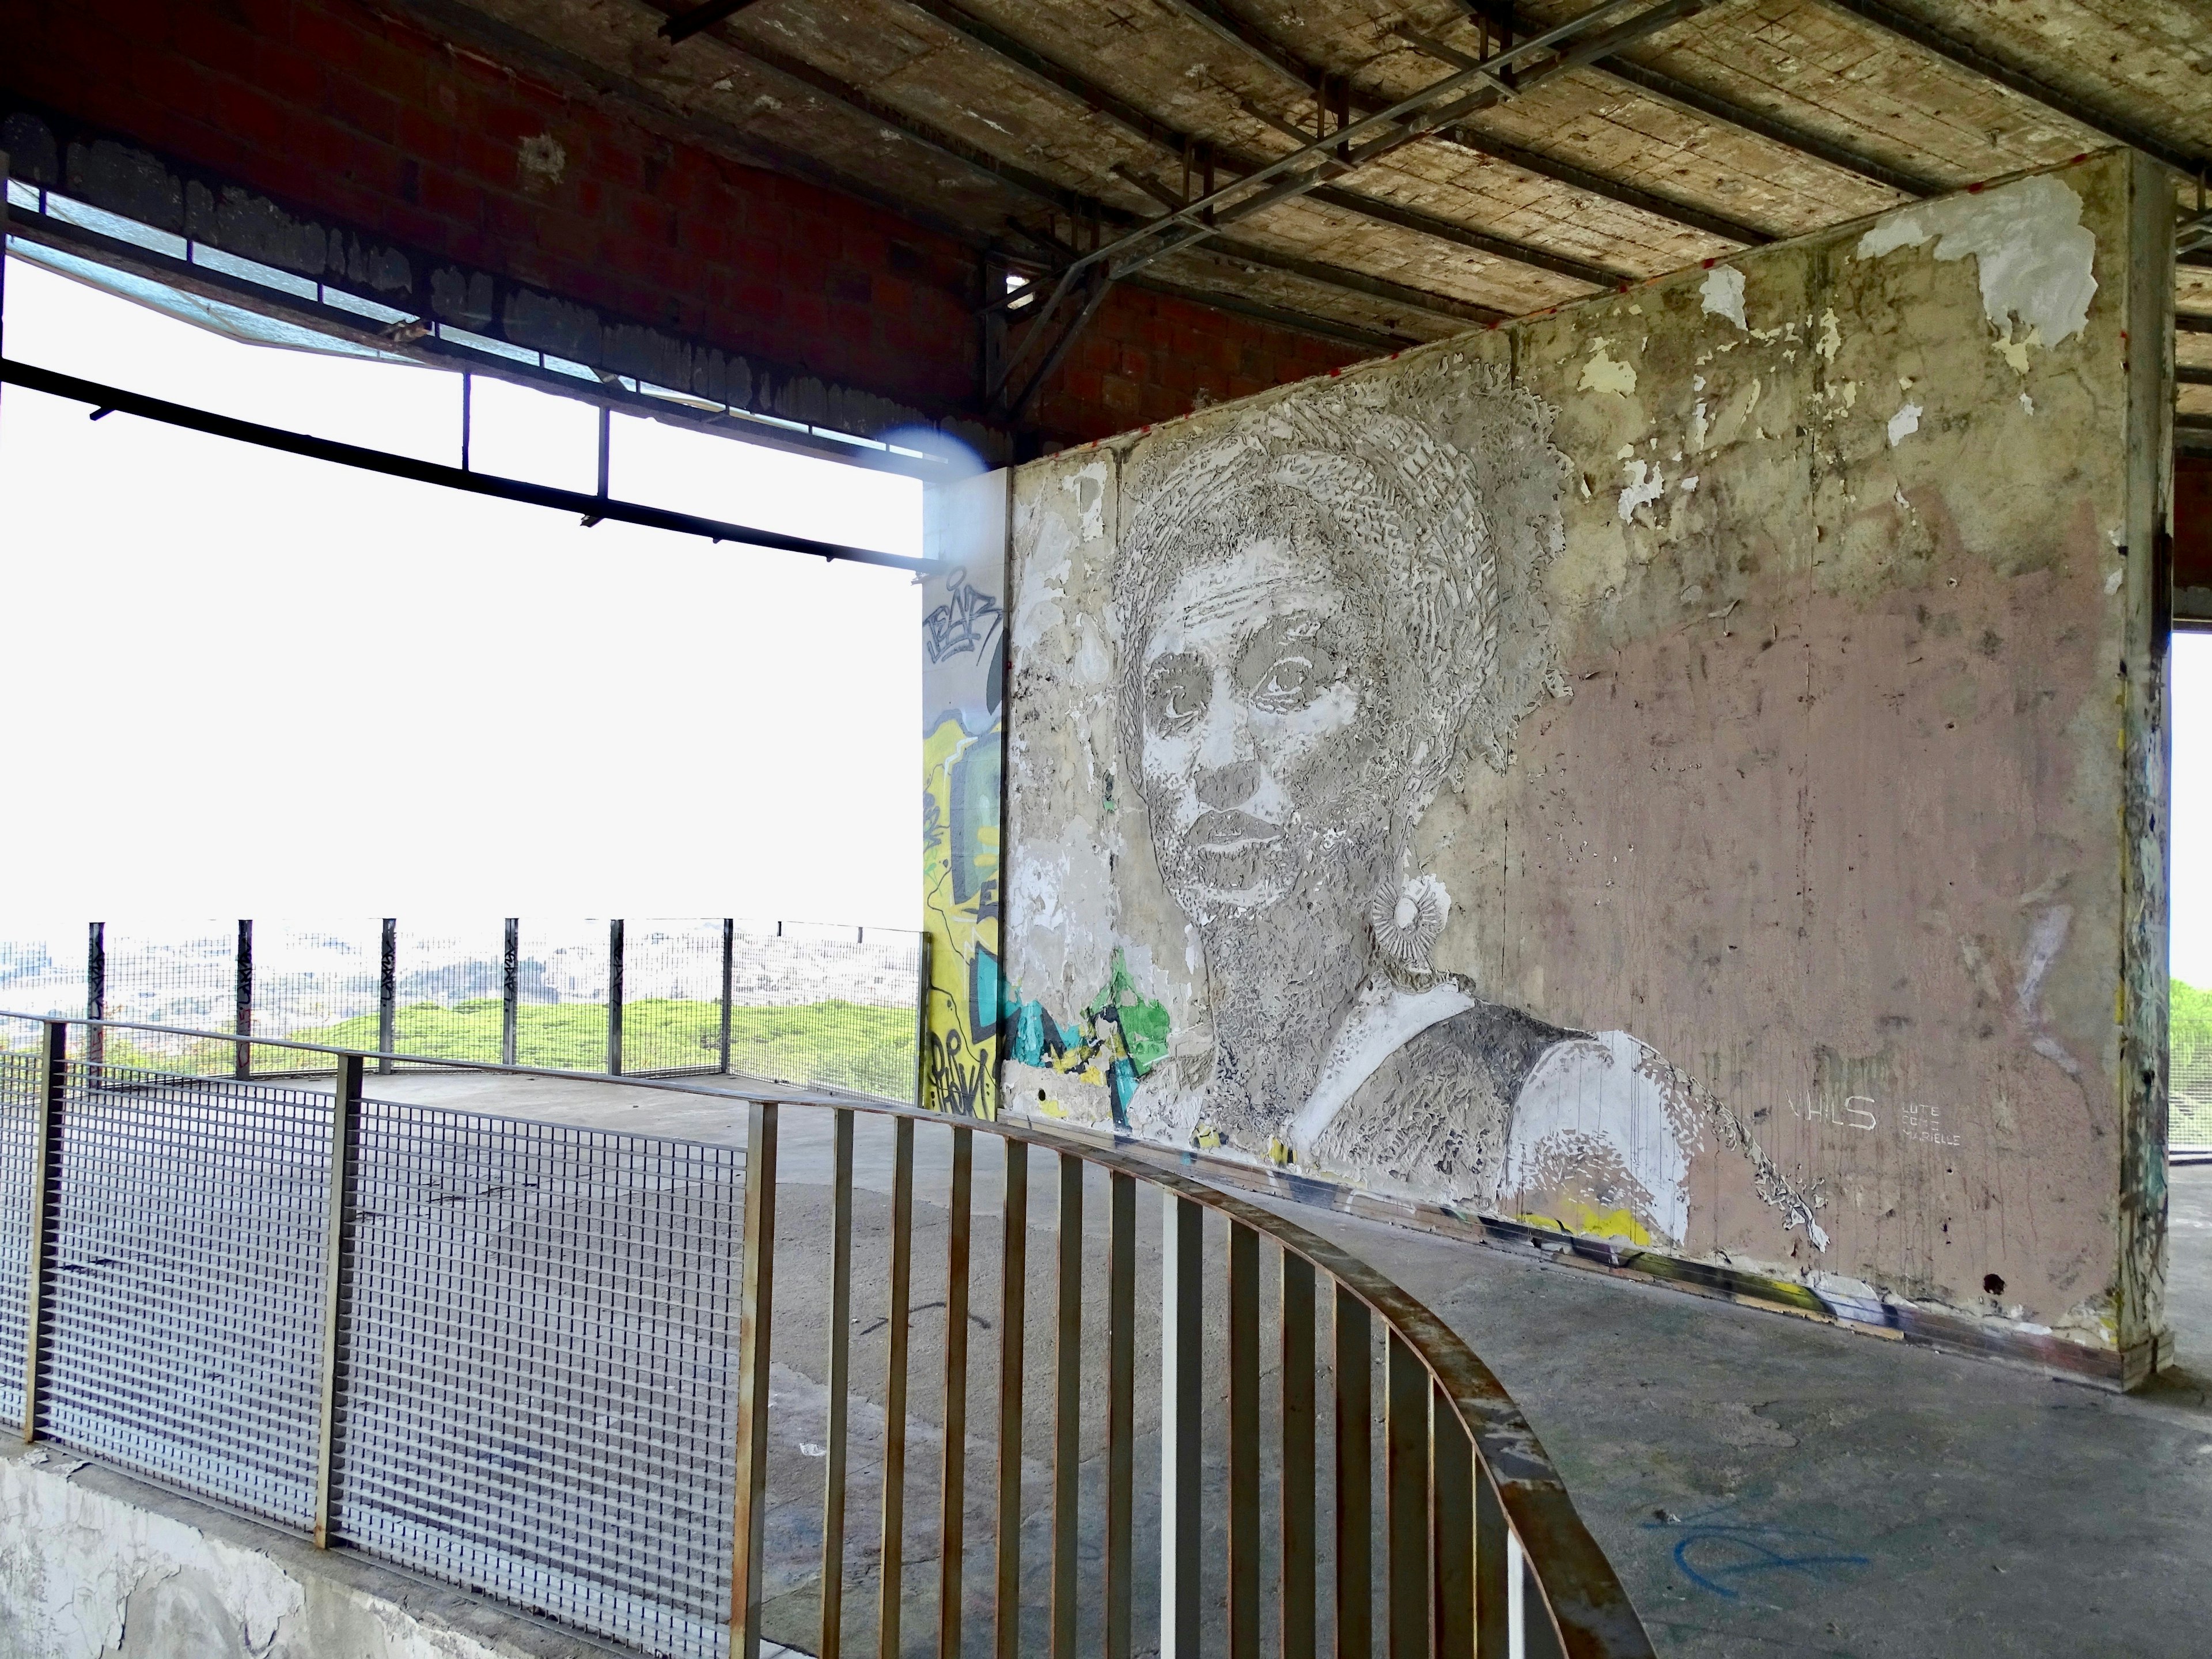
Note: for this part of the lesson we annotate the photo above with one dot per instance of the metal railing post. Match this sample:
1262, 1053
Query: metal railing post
45, 1222
615, 998
95, 992
922, 1028
387, 991
1182, 1405
756, 1299
510, 988
338, 1251
243, 1023
729, 984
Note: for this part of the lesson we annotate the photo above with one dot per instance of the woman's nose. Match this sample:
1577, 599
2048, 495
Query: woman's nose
1220, 787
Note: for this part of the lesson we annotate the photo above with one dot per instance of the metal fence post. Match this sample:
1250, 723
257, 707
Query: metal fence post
729, 983
96, 993
387, 991
754, 1313
614, 997
337, 1250
921, 1029
510, 989
244, 1023
45, 1221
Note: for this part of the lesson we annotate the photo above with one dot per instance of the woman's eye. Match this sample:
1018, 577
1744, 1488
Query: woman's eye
1175, 702
1291, 680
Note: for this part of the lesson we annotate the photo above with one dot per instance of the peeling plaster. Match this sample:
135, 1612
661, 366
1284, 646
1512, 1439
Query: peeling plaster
1603, 373
1723, 294
2036, 259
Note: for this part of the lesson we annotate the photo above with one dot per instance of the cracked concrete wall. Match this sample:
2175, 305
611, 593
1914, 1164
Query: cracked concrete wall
99, 1566
1683, 768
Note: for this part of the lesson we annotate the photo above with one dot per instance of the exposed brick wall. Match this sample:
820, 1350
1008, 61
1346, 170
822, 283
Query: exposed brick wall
2192, 522
1148, 357
349, 114
359, 116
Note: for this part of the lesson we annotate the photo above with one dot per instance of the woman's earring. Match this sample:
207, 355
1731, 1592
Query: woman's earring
1407, 916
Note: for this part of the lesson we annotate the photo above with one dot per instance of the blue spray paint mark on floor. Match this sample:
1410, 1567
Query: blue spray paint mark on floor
1717, 1552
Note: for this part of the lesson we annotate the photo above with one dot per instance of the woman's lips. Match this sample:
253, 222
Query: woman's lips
1229, 832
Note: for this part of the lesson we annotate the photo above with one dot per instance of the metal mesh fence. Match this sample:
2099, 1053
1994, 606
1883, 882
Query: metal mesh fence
41, 972
447, 989
20, 1068
184, 976
812, 1005
2189, 1101
187, 1284
561, 1016
539, 1365
824, 1006
672, 996
318, 984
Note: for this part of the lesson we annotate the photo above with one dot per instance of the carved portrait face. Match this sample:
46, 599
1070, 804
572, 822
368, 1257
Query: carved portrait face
1259, 700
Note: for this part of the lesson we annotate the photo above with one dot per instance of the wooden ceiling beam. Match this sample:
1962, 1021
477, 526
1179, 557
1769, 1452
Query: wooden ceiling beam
1714, 107
1972, 59
1226, 24
1141, 124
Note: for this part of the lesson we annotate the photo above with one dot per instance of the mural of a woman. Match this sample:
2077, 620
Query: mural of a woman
1322, 619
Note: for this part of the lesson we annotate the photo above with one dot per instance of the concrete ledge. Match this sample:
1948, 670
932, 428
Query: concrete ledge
96, 1564
1952, 1333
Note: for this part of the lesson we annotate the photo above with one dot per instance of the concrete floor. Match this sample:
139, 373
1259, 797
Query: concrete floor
1763, 1485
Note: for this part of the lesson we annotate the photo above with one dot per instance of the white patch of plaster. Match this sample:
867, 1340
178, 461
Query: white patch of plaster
2046, 936
1699, 425
1645, 483
542, 157
2035, 258
1689, 485
1904, 424
1088, 486
1723, 294
1831, 338
2027, 403
2112, 581
1603, 373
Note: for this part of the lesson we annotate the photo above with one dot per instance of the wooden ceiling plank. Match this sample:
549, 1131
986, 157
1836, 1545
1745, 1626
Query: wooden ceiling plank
1704, 101
2014, 79
1140, 123
1226, 24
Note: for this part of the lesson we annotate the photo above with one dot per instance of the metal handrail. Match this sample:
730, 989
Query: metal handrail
1456, 1528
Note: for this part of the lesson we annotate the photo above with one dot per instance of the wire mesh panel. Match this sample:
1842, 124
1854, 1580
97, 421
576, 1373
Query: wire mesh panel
316, 984
187, 1289
184, 976
20, 1069
672, 996
561, 1018
540, 1356
42, 971
825, 1006
446, 986
2189, 1100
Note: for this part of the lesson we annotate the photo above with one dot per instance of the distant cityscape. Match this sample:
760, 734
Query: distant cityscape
306, 977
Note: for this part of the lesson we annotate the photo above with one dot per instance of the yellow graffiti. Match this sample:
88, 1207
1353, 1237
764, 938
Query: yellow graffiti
1586, 1222
960, 912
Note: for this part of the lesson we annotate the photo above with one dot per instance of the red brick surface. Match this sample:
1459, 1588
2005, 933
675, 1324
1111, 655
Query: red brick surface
352, 114
2192, 520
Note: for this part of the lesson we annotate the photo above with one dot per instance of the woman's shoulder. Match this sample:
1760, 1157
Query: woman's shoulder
1434, 1114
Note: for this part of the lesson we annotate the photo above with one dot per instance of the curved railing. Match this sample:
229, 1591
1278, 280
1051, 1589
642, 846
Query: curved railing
540, 1359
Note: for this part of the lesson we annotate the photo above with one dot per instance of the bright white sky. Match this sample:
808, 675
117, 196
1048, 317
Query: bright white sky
262, 686
265, 686
2191, 691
